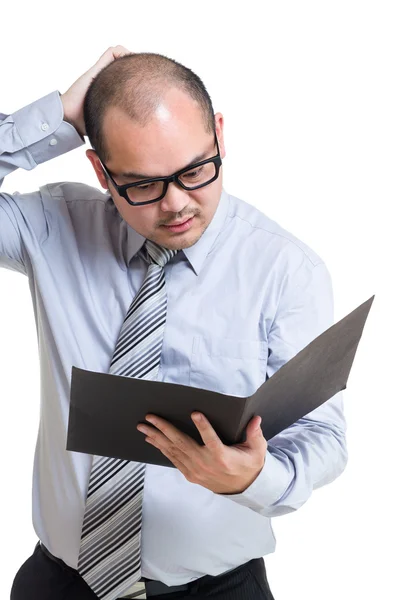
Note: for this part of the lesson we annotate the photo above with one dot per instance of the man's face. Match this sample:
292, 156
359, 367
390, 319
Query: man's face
171, 141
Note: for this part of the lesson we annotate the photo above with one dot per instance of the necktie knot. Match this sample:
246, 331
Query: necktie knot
158, 254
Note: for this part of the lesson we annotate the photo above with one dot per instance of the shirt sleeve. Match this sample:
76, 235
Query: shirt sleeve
35, 134
29, 137
312, 452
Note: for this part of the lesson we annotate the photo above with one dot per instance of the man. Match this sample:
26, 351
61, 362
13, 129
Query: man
164, 276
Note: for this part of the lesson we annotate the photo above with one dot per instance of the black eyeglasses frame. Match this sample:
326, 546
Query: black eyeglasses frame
122, 189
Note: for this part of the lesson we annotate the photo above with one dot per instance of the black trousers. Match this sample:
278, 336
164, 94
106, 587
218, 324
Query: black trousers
40, 578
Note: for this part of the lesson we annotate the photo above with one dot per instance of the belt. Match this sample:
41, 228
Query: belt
156, 588
153, 587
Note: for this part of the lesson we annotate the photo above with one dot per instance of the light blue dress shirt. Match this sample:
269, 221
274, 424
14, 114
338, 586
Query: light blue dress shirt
242, 301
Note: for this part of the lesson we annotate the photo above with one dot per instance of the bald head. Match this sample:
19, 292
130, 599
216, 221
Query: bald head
136, 85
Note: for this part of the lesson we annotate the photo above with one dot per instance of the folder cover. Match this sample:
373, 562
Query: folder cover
105, 409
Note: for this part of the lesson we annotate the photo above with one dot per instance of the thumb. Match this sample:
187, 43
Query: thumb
253, 430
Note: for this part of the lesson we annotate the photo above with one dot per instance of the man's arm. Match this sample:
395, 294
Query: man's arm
311, 452
28, 137
32, 135
35, 134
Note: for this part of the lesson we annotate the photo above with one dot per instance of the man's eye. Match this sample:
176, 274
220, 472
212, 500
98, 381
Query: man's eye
193, 174
145, 187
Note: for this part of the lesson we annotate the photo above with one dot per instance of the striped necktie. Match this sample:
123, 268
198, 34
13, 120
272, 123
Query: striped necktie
109, 556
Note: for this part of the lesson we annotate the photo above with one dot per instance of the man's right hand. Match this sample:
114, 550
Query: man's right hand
74, 97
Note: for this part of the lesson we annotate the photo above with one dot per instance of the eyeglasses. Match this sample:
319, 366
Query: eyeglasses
152, 190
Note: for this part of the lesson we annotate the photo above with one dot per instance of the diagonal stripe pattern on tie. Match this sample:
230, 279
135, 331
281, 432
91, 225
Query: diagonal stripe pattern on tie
109, 555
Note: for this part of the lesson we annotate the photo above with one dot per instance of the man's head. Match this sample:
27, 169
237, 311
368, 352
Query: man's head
147, 114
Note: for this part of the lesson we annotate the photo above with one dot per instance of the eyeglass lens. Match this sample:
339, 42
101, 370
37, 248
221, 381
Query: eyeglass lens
190, 179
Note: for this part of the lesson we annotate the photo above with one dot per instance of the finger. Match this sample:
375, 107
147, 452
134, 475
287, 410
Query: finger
173, 454
109, 56
178, 464
179, 439
208, 433
254, 428
120, 51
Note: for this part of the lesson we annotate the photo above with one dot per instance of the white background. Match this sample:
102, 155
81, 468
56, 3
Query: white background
310, 96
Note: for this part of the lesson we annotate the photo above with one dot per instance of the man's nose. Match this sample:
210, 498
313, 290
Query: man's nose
175, 199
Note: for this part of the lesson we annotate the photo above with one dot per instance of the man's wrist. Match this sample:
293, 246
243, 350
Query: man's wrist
245, 485
67, 117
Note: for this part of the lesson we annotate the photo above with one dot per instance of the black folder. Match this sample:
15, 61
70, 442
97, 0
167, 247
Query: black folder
105, 409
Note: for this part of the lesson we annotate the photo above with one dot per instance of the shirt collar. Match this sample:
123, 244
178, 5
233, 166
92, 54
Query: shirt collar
197, 253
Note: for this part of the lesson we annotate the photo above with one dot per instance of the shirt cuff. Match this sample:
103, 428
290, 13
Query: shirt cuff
42, 131
268, 487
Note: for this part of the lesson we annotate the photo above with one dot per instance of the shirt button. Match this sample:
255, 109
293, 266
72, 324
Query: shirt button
53, 142
45, 127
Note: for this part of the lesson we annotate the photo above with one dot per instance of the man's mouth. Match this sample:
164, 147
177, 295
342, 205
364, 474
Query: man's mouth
176, 223
178, 226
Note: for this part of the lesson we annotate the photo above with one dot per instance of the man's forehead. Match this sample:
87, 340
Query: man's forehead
205, 151
173, 105
165, 144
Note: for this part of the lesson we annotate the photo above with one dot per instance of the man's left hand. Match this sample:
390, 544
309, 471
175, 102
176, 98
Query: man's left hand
217, 467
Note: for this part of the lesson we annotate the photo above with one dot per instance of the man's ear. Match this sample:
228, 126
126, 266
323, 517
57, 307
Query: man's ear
94, 159
219, 128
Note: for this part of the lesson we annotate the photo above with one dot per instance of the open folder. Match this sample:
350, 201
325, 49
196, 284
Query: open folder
105, 409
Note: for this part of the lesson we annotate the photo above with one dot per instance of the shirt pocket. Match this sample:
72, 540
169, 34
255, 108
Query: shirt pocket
229, 366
